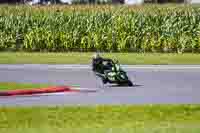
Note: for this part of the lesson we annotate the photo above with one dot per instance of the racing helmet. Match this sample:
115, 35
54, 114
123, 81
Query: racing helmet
96, 55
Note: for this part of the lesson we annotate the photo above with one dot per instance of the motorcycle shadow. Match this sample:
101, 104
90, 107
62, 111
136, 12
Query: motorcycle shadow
117, 85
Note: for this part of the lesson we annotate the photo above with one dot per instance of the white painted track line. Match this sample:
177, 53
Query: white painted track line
46, 66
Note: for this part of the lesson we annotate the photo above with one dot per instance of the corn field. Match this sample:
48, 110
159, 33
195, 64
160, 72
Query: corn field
100, 28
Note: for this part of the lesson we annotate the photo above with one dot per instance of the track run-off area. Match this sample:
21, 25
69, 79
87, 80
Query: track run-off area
154, 84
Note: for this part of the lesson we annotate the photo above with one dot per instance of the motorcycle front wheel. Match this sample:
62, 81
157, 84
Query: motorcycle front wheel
130, 83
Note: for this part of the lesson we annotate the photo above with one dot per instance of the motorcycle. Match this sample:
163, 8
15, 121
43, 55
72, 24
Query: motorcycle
115, 76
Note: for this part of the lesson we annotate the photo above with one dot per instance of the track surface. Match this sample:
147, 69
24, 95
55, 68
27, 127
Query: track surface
154, 85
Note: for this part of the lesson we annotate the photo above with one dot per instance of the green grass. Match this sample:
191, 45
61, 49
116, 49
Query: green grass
101, 119
16, 86
85, 58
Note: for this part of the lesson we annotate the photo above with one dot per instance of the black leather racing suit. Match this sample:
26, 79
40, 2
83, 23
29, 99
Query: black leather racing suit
98, 66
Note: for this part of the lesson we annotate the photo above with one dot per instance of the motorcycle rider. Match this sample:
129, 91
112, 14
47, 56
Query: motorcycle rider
100, 69
97, 63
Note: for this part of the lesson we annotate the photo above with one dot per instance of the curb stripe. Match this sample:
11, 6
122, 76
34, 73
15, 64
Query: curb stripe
38, 91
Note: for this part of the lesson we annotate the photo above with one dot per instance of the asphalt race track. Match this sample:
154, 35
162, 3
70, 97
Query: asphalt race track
153, 85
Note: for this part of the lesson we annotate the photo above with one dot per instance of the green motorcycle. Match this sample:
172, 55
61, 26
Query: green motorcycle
116, 75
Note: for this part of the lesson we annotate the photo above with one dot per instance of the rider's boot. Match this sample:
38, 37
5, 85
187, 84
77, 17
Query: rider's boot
104, 81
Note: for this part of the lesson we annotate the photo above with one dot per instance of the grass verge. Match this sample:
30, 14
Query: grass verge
85, 58
101, 119
17, 86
